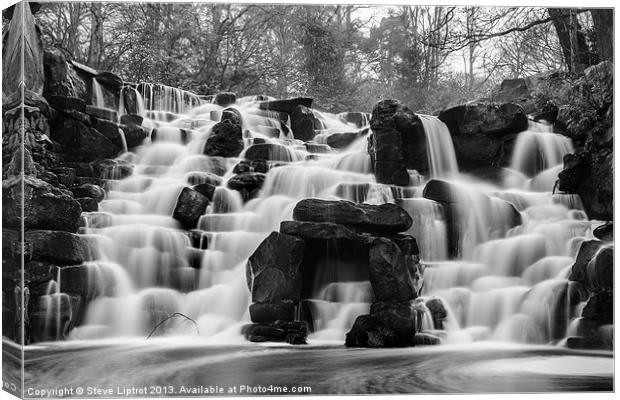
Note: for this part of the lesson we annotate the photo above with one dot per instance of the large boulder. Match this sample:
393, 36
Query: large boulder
304, 123
226, 140
286, 106
82, 143
390, 278
318, 231
272, 271
388, 325
397, 143
340, 140
291, 332
190, 205
600, 307
387, 218
247, 183
485, 118
225, 99
62, 248
271, 312
45, 207
89, 190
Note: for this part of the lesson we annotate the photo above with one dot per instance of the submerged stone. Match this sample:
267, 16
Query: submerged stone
189, 207
271, 312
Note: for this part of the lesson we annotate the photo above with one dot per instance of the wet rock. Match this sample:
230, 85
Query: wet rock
574, 170
286, 106
132, 119
605, 232
65, 310
61, 247
89, 190
438, 311
318, 230
391, 280
61, 78
66, 176
303, 123
341, 140
110, 80
368, 331
600, 269
88, 204
82, 143
271, 312
189, 207
247, 183
197, 177
317, 148
251, 166
232, 115
78, 280
226, 140
426, 339
584, 343
600, 307
292, 332
225, 99
548, 112
272, 271
397, 143
442, 191
484, 118
268, 151
478, 150
102, 113
599, 79
112, 169
586, 253
45, 207
388, 218
206, 189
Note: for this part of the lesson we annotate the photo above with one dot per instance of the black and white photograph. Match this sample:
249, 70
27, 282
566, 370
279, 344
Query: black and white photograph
269, 198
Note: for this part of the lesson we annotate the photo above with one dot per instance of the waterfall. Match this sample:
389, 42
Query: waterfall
538, 149
99, 99
150, 267
439, 147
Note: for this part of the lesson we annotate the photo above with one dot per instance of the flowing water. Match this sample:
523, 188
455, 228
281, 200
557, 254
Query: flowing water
499, 283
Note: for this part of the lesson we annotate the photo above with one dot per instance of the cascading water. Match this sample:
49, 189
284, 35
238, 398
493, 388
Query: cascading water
492, 288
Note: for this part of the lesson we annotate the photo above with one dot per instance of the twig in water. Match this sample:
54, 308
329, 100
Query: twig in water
176, 314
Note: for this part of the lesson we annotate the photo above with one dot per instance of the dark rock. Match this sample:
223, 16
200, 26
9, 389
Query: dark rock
88, 204
576, 166
318, 230
78, 280
109, 129
600, 269
226, 140
292, 332
82, 143
190, 206
382, 218
438, 311
268, 151
317, 148
225, 99
390, 278
247, 183
66, 176
272, 271
132, 119
45, 207
232, 115
488, 119
600, 307
584, 343
286, 106
599, 79
64, 103
512, 89
89, 190
102, 113
367, 331
112, 169
251, 166
397, 143
340, 140
587, 251
110, 80
62, 247
81, 169
478, 150
130, 100
548, 112
605, 232
596, 191
61, 78
206, 189
442, 191
271, 312
35, 271
198, 177
424, 339
64, 307
303, 123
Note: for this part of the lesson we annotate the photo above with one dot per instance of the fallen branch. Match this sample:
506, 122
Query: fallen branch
176, 314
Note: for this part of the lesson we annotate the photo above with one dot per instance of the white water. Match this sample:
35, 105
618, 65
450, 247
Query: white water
491, 290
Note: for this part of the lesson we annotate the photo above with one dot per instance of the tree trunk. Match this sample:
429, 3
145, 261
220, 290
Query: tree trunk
604, 28
95, 48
